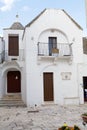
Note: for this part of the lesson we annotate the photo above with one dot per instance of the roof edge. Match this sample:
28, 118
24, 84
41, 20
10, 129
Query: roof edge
29, 24
72, 19
11, 29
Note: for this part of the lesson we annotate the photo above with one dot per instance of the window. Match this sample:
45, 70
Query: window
13, 45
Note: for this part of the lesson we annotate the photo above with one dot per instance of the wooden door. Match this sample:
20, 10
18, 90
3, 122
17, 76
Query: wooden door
85, 88
13, 82
48, 87
13, 46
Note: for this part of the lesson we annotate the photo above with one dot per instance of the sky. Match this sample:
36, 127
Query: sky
29, 9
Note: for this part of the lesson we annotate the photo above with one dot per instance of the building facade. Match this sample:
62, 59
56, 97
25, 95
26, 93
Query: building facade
44, 61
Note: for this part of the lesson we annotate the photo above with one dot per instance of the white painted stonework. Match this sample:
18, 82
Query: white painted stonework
34, 60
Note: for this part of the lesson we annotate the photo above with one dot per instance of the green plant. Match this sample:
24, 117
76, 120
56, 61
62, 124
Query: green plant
76, 127
66, 127
84, 114
63, 127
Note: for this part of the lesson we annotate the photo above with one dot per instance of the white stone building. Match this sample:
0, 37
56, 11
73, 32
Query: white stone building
44, 61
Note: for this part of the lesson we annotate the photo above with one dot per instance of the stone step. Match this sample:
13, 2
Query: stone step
47, 103
12, 100
12, 97
11, 103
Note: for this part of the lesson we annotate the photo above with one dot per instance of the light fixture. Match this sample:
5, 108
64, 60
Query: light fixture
16, 77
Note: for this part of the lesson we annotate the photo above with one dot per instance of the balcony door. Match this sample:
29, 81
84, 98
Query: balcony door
13, 46
52, 44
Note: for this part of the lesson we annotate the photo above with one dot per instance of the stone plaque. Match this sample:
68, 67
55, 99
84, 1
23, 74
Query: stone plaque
66, 75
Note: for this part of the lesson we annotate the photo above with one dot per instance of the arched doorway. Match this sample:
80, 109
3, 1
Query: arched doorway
13, 82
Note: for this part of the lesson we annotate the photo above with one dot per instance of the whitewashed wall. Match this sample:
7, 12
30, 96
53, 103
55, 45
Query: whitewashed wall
12, 66
1, 44
8, 32
65, 91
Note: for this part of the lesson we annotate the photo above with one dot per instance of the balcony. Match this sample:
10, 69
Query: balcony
62, 50
5, 57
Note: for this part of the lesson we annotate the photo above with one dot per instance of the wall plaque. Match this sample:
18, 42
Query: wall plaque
66, 75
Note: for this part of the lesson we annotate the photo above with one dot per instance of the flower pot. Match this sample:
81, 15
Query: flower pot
55, 50
71, 128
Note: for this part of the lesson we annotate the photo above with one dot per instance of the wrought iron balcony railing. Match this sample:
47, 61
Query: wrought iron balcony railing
61, 49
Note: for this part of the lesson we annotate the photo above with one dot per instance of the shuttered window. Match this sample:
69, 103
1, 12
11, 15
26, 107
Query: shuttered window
13, 48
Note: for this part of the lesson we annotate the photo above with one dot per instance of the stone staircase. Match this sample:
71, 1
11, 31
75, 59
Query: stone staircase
12, 100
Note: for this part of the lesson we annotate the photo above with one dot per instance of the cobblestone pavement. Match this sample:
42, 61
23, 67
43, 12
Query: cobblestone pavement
49, 117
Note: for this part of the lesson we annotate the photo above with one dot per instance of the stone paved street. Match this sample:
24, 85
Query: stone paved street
49, 117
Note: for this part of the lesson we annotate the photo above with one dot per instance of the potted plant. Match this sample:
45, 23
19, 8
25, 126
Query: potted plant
55, 51
84, 117
66, 127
